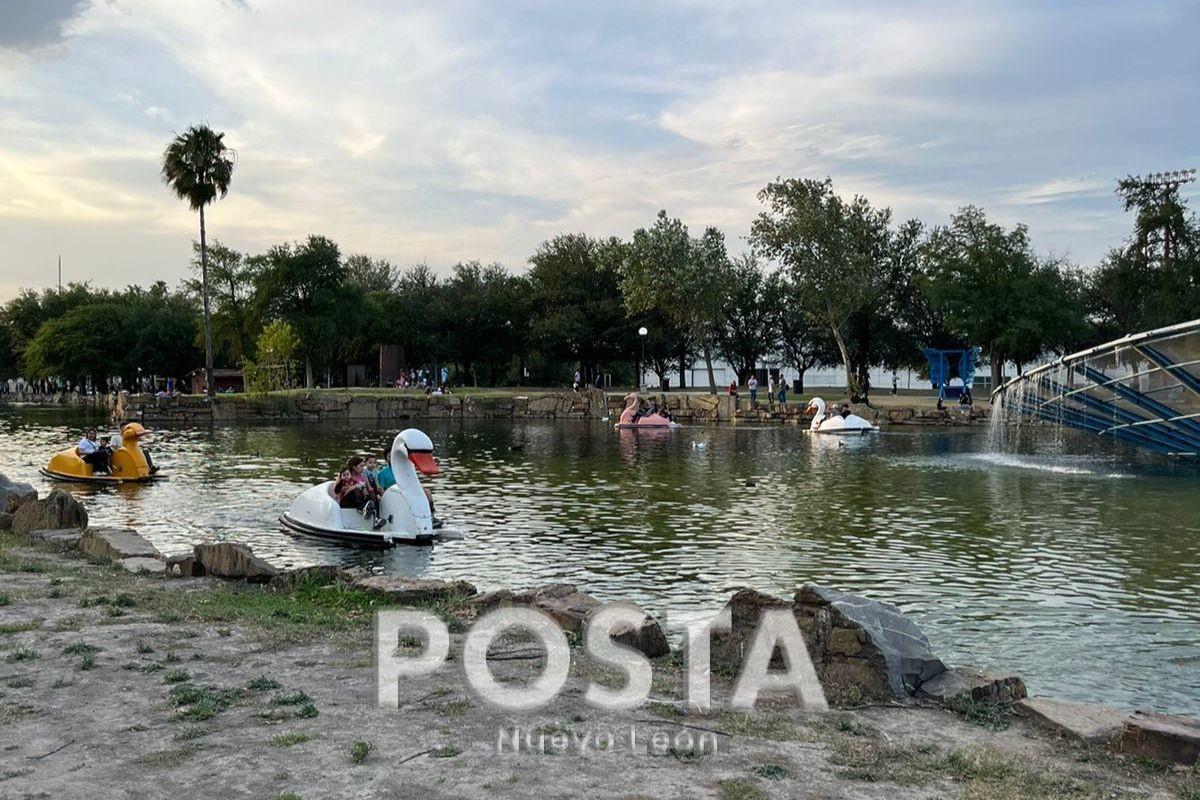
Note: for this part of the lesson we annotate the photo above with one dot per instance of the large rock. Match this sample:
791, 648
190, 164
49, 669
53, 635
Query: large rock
140, 565
13, 495
321, 575
411, 591
233, 560
1085, 722
1163, 737
861, 649
573, 609
976, 684
57, 510
185, 566
116, 544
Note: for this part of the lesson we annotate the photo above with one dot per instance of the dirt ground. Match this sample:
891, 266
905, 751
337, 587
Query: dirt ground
120, 686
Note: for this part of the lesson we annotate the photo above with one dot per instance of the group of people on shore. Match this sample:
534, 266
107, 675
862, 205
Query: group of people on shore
777, 390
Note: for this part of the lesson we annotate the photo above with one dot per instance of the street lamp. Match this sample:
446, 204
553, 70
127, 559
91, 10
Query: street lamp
642, 363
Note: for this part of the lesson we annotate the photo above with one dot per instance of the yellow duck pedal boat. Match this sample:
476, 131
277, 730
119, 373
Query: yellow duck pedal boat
129, 463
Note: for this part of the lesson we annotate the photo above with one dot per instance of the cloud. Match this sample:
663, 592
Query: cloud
29, 25
475, 130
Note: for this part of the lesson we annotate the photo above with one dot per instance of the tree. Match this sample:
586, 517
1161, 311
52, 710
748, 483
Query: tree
304, 285
579, 314
746, 334
833, 251
990, 286
667, 271
88, 342
371, 274
197, 167
802, 341
231, 287
275, 357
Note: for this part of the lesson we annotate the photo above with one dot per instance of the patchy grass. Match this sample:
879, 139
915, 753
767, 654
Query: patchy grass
22, 654
5, 598
87, 661
987, 714
454, 708
80, 649
773, 772
62, 683
263, 684
359, 751
290, 739
21, 627
295, 698
739, 789
200, 703
144, 648
163, 759
21, 683
192, 732
176, 676
449, 751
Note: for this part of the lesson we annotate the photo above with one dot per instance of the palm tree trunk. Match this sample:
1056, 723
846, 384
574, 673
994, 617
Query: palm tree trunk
208, 358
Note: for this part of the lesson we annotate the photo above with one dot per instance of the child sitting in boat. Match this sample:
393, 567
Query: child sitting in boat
353, 490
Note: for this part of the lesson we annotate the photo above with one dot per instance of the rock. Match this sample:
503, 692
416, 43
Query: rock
233, 560
13, 495
115, 544
1085, 722
573, 609
977, 684
880, 627
1164, 737
319, 575
5, 521
185, 566
406, 591
57, 510
861, 649
139, 565
63, 539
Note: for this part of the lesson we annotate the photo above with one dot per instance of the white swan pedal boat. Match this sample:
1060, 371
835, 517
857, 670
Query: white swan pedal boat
837, 424
405, 508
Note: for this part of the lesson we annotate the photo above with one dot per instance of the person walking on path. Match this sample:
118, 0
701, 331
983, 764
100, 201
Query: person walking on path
752, 386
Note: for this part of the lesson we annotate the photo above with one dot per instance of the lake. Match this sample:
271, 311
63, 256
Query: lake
1074, 562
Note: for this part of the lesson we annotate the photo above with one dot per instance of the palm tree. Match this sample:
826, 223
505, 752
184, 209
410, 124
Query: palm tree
197, 166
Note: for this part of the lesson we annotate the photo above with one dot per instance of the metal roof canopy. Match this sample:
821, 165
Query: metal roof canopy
1143, 388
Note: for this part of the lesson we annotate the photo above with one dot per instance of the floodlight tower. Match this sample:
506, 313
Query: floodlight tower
1166, 184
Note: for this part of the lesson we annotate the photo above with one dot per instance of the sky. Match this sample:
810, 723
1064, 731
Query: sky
442, 132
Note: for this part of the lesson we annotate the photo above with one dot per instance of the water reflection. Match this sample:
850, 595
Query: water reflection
1079, 571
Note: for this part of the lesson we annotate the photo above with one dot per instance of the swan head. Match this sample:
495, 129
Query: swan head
415, 446
818, 404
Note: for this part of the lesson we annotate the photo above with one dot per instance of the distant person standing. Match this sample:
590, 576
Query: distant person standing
893, 383
575, 382
752, 386
782, 391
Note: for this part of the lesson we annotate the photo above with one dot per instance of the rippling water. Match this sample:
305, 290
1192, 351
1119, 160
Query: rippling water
1081, 572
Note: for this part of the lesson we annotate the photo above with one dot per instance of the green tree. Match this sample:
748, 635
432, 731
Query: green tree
371, 274
989, 285
579, 314
275, 358
667, 271
88, 342
834, 252
231, 288
802, 341
746, 333
198, 167
304, 285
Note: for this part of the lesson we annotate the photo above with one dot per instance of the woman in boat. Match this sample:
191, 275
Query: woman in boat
355, 491
94, 452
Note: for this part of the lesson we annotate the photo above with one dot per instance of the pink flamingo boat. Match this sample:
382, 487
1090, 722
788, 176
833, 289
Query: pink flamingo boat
631, 420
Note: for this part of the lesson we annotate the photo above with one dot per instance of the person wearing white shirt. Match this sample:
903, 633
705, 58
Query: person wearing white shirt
94, 452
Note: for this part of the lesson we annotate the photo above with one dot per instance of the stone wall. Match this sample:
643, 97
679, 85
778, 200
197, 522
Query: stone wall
319, 405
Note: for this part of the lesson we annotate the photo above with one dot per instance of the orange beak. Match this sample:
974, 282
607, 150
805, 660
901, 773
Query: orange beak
424, 463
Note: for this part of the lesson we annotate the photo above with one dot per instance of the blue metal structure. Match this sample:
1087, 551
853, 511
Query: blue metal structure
945, 365
1143, 389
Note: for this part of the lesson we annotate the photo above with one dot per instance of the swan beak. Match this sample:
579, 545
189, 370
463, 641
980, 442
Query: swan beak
424, 462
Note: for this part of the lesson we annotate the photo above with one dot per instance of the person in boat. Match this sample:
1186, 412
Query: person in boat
845, 410
371, 470
385, 478
94, 452
352, 490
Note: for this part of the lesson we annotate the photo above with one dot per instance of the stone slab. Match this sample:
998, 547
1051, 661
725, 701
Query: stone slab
1163, 737
140, 565
1085, 722
976, 683
401, 590
115, 544
61, 538
233, 560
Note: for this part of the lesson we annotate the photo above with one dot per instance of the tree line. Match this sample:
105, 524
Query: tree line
824, 281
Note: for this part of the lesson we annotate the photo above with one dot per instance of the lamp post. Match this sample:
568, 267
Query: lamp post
642, 363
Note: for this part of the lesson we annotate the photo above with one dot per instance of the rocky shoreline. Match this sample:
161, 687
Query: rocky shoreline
693, 408
872, 662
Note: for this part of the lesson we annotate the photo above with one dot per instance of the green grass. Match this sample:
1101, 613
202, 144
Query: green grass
359, 751
449, 751
144, 648
987, 714
87, 661
22, 654
262, 684
739, 789
176, 676
295, 698
80, 648
200, 703
290, 739
5, 598
773, 772
21, 627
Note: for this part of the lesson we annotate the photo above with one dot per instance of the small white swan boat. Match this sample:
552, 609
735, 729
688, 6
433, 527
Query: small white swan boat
836, 423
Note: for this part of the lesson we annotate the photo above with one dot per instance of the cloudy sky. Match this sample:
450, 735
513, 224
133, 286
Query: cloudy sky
454, 130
